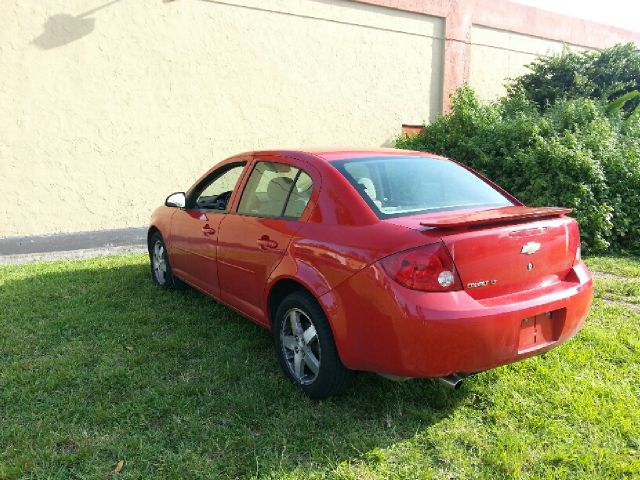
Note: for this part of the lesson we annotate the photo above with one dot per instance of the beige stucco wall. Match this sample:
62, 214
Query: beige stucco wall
105, 112
498, 55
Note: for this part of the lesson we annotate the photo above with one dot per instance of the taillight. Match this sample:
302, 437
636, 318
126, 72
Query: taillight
429, 268
574, 242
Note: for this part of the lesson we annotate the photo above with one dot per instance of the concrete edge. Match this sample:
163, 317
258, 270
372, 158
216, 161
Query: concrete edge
64, 242
70, 254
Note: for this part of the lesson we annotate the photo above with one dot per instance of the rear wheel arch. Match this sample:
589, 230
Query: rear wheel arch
280, 290
285, 286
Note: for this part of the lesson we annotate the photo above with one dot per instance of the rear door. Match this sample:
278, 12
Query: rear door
253, 240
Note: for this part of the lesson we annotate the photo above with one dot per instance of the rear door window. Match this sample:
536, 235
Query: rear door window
276, 190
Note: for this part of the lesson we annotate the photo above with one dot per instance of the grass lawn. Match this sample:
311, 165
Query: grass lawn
97, 365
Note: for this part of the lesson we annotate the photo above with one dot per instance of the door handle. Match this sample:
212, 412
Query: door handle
207, 230
265, 243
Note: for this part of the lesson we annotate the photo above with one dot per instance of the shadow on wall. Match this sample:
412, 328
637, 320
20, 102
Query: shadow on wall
63, 28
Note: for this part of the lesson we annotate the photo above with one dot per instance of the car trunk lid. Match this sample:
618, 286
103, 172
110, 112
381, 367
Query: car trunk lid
505, 250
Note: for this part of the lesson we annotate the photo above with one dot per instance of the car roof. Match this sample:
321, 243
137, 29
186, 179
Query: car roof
334, 154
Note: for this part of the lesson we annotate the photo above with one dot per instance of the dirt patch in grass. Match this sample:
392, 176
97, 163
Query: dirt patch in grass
634, 307
610, 276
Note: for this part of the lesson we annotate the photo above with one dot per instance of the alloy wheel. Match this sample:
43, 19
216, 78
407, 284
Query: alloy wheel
300, 346
159, 263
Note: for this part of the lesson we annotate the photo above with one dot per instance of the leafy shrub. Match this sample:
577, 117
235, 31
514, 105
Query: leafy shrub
603, 75
568, 154
622, 171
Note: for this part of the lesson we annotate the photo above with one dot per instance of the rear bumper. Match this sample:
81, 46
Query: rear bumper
383, 327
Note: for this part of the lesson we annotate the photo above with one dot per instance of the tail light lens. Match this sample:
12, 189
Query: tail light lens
429, 268
574, 242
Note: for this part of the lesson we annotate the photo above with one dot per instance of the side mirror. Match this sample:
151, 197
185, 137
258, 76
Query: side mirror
177, 199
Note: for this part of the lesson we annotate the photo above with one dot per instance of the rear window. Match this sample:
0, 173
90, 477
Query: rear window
397, 186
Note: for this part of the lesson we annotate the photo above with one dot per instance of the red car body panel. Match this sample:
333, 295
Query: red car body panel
333, 251
437, 334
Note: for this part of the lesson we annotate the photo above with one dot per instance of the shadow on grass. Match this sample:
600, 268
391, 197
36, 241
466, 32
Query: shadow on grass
101, 365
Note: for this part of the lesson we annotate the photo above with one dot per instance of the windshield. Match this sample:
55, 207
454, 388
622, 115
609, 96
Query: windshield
397, 186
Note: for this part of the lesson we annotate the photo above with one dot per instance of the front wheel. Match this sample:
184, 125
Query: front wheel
160, 267
306, 350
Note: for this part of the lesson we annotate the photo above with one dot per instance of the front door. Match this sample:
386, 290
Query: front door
252, 241
195, 229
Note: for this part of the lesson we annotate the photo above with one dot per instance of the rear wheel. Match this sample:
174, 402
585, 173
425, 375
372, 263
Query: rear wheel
306, 350
160, 267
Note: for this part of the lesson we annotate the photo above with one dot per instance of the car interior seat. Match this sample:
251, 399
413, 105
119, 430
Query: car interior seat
370, 189
277, 191
298, 200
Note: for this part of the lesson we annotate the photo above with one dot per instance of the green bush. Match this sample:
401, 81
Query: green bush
569, 153
622, 170
599, 75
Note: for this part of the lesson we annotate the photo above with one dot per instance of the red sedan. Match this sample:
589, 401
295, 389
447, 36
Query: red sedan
397, 262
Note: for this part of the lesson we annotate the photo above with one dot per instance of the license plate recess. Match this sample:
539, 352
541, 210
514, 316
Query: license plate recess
538, 331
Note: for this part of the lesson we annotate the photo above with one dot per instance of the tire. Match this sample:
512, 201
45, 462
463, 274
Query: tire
306, 350
160, 267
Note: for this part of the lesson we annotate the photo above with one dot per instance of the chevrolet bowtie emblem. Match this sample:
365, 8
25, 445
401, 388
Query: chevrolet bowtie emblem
530, 248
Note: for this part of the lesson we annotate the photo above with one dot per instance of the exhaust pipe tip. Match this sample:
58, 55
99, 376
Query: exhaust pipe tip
452, 381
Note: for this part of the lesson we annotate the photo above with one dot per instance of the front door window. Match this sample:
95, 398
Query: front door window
215, 194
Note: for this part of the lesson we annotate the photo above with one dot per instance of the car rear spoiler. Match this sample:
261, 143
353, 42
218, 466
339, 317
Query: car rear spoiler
494, 216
